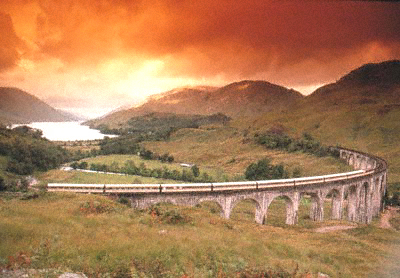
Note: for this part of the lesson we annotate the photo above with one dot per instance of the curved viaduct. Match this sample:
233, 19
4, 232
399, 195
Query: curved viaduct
360, 191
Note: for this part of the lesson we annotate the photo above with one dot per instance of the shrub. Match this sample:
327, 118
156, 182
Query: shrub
307, 144
28, 151
146, 154
195, 171
168, 215
296, 172
264, 170
94, 207
99, 167
174, 217
124, 201
83, 165
2, 184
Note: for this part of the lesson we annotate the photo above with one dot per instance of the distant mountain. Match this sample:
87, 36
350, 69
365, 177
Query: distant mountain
239, 99
72, 116
361, 110
17, 106
369, 84
379, 74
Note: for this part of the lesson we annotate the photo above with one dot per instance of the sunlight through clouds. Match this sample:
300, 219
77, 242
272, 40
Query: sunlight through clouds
119, 52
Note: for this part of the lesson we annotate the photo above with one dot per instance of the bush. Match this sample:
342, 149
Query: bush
90, 207
146, 154
120, 145
195, 171
166, 158
168, 215
130, 168
124, 201
99, 167
28, 151
74, 165
392, 196
263, 170
174, 217
83, 165
2, 184
296, 172
307, 144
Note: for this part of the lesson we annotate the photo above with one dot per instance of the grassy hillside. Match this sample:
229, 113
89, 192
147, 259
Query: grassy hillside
228, 151
160, 125
241, 99
360, 111
17, 106
171, 241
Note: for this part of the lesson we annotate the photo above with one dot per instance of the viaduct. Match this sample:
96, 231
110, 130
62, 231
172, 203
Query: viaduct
358, 193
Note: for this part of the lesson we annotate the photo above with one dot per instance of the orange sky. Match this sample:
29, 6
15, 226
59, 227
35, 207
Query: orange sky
100, 54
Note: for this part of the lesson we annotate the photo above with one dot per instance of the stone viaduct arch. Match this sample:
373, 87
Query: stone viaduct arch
359, 193
362, 196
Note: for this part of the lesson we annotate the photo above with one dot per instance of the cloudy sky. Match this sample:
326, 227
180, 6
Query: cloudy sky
94, 55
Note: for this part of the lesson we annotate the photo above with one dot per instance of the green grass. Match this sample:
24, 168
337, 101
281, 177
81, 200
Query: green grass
395, 222
58, 176
56, 231
3, 163
359, 127
120, 159
226, 151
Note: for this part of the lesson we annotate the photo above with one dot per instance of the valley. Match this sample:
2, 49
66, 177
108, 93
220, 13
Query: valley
218, 130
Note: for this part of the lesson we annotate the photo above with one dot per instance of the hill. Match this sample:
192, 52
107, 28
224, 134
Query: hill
17, 106
239, 99
161, 125
369, 84
361, 110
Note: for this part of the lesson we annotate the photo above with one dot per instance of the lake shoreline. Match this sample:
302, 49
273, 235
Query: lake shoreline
67, 131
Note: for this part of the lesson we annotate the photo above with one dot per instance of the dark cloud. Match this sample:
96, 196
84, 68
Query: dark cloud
249, 37
9, 45
278, 40
244, 38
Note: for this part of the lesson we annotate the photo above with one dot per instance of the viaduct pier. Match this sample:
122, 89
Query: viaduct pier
358, 193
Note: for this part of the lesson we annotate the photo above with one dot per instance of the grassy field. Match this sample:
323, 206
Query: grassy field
99, 236
150, 164
360, 127
59, 176
96, 236
229, 151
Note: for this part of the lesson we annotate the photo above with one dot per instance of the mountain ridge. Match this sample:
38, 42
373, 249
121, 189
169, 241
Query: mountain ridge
355, 111
370, 83
239, 99
20, 107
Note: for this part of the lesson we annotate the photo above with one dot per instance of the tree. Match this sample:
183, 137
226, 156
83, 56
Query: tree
263, 170
195, 171
296, 172
74, 165
146, 154
130, 168
83, 165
